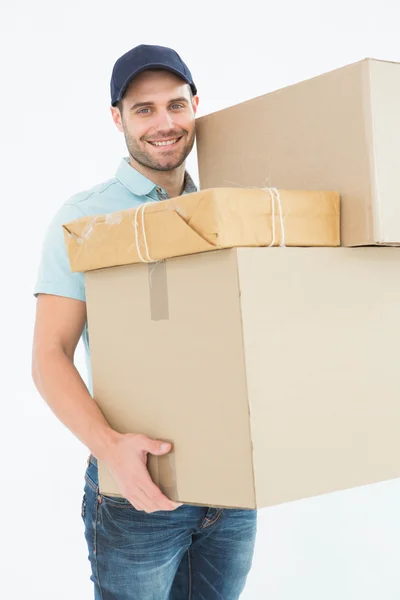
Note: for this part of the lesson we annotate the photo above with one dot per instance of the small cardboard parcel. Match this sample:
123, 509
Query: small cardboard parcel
273, 371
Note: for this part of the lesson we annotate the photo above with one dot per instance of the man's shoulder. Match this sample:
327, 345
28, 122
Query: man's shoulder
95, 199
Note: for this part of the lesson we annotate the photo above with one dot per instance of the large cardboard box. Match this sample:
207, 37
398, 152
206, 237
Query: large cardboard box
204, 221
273, 371
338, 131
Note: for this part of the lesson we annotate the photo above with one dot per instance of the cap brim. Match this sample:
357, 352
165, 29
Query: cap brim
150, 67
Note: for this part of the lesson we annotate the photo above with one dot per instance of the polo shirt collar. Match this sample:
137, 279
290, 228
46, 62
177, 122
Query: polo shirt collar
136, 183
189, 184
140, 185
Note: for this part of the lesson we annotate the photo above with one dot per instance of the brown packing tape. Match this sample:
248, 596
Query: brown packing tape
158, 287
163, 472
161, 468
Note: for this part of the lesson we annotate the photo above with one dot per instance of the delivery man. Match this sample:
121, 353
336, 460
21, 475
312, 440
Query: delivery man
142, 546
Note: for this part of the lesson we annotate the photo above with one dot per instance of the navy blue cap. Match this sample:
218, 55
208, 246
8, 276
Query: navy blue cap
142, 58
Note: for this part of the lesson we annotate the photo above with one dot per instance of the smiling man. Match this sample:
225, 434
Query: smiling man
142, 546
155, 110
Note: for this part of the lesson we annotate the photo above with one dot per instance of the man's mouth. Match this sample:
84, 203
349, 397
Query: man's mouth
170, 142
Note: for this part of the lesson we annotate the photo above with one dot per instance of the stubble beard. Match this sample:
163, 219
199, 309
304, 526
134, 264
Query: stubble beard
147, 160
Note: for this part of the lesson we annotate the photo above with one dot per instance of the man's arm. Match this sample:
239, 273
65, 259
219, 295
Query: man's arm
58, 327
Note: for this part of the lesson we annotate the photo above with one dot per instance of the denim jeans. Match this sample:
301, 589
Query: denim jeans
192, 553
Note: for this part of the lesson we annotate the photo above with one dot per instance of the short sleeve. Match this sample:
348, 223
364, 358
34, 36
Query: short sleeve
54, 273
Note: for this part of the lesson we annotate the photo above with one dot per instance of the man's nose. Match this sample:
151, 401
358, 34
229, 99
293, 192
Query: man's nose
164, 120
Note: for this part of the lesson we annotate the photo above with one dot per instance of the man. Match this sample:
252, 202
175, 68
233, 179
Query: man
142, 546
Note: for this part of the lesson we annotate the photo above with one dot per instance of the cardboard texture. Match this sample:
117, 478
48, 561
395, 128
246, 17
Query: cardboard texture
201, 222
338, 131
273, 371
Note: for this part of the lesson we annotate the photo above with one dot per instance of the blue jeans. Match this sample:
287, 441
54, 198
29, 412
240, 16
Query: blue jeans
192, 553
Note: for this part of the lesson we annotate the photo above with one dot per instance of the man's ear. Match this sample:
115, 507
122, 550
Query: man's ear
117, 117
195, 103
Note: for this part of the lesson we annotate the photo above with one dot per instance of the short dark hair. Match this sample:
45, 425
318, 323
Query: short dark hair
120, 106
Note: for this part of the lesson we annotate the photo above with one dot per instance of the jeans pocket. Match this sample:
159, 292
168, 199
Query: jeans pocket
118, 501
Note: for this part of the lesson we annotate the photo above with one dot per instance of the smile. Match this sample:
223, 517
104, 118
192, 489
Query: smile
165, 142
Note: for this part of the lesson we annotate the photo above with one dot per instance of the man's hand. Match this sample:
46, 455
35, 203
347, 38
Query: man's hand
127, 461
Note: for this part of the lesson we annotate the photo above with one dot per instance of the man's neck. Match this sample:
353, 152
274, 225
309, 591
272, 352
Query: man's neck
171, 181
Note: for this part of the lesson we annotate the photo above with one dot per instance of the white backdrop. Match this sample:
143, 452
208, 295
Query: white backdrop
57, 138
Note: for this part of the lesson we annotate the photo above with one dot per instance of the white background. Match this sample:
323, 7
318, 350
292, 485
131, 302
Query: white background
57, 138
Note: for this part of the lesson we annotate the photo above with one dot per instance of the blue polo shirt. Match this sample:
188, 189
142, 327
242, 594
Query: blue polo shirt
128, 189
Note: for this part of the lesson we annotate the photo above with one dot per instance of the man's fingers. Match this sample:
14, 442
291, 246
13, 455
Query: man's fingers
136, 503
156, 447
154, 496
141, 501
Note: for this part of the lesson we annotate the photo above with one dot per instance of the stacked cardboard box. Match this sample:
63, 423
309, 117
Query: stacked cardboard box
272, 370
339, 131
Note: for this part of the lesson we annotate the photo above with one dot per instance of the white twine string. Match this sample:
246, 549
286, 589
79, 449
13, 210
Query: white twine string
143, 207
135, 222
152, 268
273, 194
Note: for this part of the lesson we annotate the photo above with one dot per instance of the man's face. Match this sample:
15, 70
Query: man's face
158, 120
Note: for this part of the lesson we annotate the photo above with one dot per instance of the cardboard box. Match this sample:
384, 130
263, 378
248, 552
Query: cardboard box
204, 221
273, 371
338, 131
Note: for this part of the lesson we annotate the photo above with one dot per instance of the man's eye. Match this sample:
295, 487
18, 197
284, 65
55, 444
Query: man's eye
143, 111
176, 106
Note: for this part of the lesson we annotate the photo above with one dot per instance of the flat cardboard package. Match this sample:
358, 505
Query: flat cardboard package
273, 371
338, 131
204, 221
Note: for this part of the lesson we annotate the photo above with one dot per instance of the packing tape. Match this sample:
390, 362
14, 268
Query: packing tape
158, 288
163, 472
